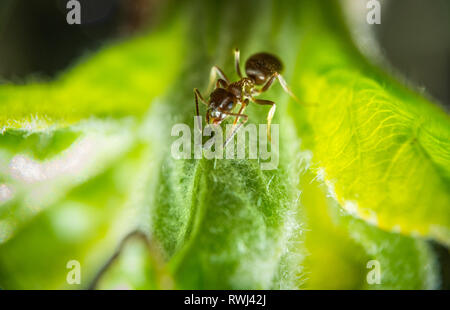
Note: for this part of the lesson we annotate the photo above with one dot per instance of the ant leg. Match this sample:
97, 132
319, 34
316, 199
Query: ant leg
197, 96
207, 116
286, 87
237, 65
267, 85
269, 115
234, 129
221, 83
241, 110
214, 72
238, 115
283, 83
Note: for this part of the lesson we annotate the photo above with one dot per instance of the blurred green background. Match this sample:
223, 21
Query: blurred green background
35, 39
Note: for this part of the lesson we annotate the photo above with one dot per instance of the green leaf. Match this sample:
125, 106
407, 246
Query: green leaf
382, 150
84, 226
118, 81
35, 178
341, 249
70, 188
220, 222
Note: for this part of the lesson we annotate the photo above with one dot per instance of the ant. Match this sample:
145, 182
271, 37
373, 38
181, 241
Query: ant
261, 69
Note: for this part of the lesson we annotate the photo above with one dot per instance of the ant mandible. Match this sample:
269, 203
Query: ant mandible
261, 69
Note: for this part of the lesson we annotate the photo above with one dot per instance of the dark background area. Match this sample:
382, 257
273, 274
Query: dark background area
35, 38
36, 41
414, 36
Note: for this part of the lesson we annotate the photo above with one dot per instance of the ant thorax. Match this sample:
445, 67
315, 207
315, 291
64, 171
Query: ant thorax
242, 89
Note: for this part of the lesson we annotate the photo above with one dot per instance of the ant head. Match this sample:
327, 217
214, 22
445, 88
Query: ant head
220, 101
260, 67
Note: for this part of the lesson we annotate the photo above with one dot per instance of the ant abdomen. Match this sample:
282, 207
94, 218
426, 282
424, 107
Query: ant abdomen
260, 67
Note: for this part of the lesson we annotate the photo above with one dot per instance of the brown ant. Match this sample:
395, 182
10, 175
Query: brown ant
261, 69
